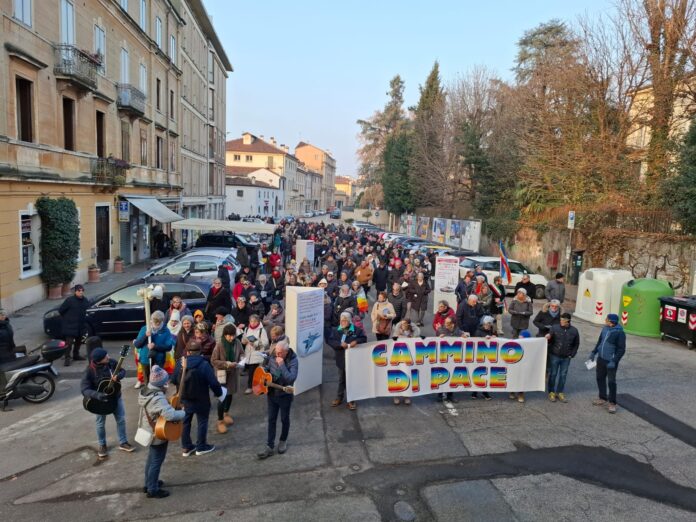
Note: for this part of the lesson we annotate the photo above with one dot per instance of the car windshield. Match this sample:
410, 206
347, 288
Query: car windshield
468, 263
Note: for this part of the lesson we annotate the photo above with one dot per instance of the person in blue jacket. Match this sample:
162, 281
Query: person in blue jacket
282, 365
161, 341
611, 347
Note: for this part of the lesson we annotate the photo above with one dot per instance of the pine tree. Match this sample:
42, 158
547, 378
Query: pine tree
680, 191
398, 197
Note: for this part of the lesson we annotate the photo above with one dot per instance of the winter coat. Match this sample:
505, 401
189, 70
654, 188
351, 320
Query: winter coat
480, 332
270, 320
417, 294
378, 313
332, 288
529, 287
241, 316
352, 334
274, 289
73, 312
198, 379
219, 361
207, 346
215, 301
253, 350
398, 332
96, 373
395, 275
224, 275
463, 290
380, 278
153, 404
163, 343
257, 308
182, 340
555, 290
564, 342
219, 327
544, 320
469, 317
444, 332
283, 374
182, 312
439, 318
611, 345
399, 304
364, 274
341, 305
7, 345
520, 312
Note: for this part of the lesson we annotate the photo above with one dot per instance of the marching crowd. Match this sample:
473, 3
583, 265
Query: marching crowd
242, 327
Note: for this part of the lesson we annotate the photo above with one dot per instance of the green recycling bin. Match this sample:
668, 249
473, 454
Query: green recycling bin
641, 311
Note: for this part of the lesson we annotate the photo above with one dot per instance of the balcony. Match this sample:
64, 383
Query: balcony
131, 99
109, 171
76, 65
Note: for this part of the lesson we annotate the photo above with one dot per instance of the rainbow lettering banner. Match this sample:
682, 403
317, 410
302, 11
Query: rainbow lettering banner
410, 367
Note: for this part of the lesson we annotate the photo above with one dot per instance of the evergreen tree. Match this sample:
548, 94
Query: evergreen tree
398, 196
680, 191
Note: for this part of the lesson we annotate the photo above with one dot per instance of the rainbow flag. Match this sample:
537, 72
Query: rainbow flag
504, 267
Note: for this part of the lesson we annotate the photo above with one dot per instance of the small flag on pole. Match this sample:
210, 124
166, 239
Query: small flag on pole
504, 267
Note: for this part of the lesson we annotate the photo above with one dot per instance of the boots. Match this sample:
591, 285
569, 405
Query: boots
228, 420
66, 362
221, 427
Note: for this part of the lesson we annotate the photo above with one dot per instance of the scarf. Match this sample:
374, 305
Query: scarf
229, 348
554, 314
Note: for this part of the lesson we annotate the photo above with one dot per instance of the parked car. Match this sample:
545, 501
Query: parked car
447, 251
122, 311
491, 267
224, 239
391, 236
413, 243
308, 214
335, 213
195, 264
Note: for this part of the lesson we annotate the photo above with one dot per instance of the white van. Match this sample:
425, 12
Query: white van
491, 267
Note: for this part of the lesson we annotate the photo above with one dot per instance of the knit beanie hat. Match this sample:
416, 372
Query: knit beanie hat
158, 377
98, 354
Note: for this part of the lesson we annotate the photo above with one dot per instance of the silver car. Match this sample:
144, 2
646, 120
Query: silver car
199, 263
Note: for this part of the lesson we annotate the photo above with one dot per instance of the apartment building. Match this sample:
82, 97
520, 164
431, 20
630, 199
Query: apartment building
272, 178
205, 67
254, 152
91, 95
343, 194
249, 196
320, 161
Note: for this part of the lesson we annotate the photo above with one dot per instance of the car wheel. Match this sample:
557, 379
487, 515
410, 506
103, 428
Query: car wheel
539, 292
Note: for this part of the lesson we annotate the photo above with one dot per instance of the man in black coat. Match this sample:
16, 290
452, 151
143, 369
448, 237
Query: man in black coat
398, 300
7, 345
73, 312
469, 315
380, 276
564, 341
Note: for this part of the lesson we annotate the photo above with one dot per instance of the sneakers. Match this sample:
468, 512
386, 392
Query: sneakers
511, 396
487, 396
221, 427
265, 453
138, 385
228, 420
599, 402
336, 402
520, 397
352, 405
160, 483
611, 408
247, 391
187, 452
160, 493
282, 447
562, 397
205, 449
552, 397
102, 452
126, 447
407, 402
397, 401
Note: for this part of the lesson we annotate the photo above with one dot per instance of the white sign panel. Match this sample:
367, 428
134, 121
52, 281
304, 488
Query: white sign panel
305, 248
446, 279
304, 327
411, 367
571, 219
471, 235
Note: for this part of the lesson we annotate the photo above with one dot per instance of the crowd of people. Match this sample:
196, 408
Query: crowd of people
242, 327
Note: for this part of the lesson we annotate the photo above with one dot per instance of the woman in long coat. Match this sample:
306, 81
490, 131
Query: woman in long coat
417, 294
227, 353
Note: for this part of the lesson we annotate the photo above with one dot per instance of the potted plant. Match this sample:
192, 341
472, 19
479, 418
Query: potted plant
93, 273
60, 243
118, 265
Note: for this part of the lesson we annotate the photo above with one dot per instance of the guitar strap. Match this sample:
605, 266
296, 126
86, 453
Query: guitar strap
149, 419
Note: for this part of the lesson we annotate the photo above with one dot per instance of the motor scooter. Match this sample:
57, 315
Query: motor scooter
30, 377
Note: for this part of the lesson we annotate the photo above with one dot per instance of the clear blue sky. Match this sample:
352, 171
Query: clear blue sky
307, 70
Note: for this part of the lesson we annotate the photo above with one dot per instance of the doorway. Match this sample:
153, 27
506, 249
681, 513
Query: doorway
103, 237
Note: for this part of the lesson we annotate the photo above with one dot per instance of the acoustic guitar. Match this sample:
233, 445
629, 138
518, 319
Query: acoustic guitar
108, 386
171, 430
263, 380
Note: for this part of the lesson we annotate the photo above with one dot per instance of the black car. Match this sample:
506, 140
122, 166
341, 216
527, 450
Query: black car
121, 313
223, 240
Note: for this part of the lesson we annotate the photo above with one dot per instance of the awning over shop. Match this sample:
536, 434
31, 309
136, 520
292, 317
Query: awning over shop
218, 225
154, 208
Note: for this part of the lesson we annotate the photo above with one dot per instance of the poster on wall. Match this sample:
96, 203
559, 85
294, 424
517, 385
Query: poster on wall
411, 225
439, 226
422, 228
304, 323
305, 248
454, 233
409, 367
403, 224
446, 279
471, 234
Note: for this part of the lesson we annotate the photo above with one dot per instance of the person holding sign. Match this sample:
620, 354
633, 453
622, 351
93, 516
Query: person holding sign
346, 336
382, 315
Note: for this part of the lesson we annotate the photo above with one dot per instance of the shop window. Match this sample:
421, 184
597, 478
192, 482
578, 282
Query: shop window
29, 227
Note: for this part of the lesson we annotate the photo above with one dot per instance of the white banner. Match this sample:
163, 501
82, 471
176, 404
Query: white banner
446, 279
304, 248
411, 367
304, 327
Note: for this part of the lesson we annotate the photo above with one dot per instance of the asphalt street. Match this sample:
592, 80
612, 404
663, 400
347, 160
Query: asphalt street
469, 460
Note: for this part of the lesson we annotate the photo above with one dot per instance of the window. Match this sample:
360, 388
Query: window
67, 22
211, 104
127, 295
22, 11
269, 163
237, 157
101, 138
240, 193
143, 147
175, 269
204, 266
158, 153
158, 98
25, 116
124, 4
172, 49
519, 268
143, 15
125, 66
493, 266
143, 78
249, 158
125, 140
211, 68
171, 105
100, 47
172, 154
186, 292
158, 32
68, 123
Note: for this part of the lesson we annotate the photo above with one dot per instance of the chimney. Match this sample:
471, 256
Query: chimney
253, 180
273, 141
261, 136
285, 148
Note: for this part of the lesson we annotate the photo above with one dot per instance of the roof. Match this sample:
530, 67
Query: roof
234, 170
344, 179
243, 181
257, 145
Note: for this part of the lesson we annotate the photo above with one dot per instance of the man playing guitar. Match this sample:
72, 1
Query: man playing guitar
101, 367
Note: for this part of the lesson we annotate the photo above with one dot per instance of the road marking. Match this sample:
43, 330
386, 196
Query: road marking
40, 420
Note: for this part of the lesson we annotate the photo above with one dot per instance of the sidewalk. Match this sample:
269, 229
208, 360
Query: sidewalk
28, 322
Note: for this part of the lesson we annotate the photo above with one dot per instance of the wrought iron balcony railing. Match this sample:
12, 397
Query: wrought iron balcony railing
76, 64
109, 171
131, 99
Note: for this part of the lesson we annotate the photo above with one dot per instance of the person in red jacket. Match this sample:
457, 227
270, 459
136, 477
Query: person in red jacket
444, 310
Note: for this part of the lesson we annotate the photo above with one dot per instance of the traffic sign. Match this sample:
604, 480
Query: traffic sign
571, 219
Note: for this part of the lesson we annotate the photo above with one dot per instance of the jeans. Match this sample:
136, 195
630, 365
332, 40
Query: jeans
278, 404
201, 413
341, 365
120, 416
155, 459
224, 406
605, 375
559, 369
